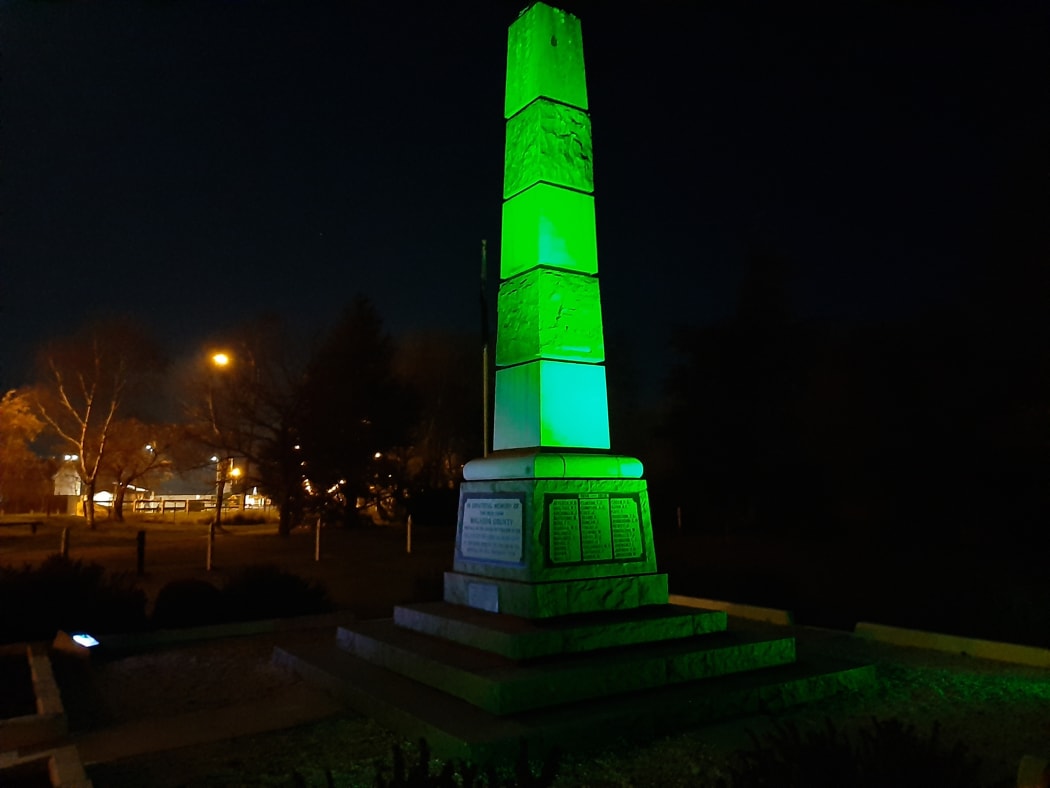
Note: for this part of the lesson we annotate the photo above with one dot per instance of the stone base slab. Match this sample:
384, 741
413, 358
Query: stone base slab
536, 464
522, 638
456, 729
502, 686
547, 600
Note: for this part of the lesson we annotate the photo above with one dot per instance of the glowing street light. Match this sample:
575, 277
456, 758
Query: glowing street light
220, 359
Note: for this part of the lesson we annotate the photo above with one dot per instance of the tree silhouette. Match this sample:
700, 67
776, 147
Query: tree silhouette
23, 476
85, 384
355, 407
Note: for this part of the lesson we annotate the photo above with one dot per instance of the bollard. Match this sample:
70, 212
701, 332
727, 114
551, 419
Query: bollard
317, 540
408, 537
211, 545
679, 518
64, 545
140, 553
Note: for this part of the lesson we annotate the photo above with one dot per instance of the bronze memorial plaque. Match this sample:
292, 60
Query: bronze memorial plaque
593, 528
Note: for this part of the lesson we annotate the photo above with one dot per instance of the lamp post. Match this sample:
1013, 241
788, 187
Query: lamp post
219, 361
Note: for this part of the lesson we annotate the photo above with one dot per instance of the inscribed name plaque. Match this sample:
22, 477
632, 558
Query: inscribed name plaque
564, 530
593, 528
626, 535
491, 529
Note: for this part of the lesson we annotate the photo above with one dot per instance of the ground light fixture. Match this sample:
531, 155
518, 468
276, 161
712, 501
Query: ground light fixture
79, 644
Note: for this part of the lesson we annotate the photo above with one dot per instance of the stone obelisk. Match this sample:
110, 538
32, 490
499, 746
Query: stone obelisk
551, 522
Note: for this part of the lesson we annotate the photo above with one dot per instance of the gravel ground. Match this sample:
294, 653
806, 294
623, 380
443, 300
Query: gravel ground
998, 711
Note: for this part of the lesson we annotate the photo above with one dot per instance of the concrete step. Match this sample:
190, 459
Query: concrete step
500, 685
455, 728
522, 638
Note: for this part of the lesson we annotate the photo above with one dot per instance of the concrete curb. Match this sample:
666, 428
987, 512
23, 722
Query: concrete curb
49, 723
163, 637
751, 612
1033, 772
974, 647
64, 767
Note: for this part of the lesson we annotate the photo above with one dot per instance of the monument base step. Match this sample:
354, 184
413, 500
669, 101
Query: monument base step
524, 638
505, 686
456, 728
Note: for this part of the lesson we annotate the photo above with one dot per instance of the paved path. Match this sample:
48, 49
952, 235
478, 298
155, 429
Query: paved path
296, 705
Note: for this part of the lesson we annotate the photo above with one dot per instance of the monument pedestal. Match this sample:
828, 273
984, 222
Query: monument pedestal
542, 547
556, 630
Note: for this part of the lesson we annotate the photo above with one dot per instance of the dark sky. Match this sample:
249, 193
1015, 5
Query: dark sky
197, 162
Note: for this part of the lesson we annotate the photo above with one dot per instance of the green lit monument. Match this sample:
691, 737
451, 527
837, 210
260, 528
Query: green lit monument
551, 523
555, 628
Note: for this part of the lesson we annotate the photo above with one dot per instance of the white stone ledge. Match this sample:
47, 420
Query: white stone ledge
953, 644
751, 612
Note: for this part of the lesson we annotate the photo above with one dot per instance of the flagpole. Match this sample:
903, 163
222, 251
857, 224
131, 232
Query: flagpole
484, 350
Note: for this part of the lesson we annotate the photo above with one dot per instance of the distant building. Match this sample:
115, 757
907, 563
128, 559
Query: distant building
67, 481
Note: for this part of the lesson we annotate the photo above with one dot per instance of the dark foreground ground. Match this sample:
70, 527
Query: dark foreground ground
996, 710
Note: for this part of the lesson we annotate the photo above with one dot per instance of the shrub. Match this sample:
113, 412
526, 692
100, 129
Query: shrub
256, 592
188, 603
269, 592
460, 774
67, 595
887, 753
244, 519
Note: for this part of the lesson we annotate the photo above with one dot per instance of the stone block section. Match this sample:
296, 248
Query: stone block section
551, 226
553, 404
548, 143
549, 314
545, 58
514, 637
501, 686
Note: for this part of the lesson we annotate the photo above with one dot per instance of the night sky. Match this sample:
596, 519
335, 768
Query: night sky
195, 163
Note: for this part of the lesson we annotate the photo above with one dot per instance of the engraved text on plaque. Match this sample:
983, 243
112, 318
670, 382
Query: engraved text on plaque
491, 529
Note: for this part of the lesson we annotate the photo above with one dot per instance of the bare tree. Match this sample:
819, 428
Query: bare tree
85, 383
137, 452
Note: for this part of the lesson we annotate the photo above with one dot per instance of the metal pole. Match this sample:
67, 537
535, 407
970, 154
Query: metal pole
317, 540
408, 538
484, 350
63, 547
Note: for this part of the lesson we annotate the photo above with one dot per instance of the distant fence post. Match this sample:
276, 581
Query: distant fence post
140, 553
408, 535
63, 547
211, 545
317, 540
